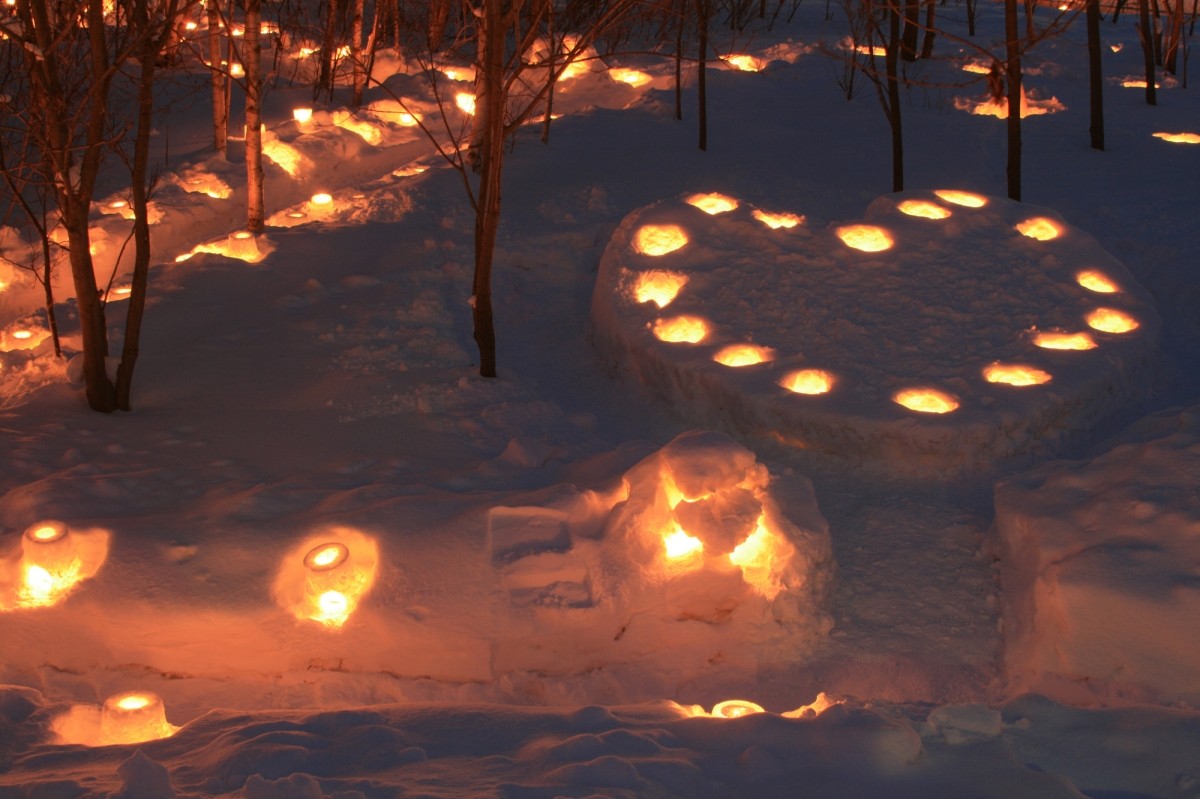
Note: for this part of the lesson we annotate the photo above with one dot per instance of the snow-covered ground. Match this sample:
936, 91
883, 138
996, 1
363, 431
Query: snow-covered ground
515, 626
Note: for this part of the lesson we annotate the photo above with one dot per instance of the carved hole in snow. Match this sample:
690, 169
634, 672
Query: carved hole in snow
656, 240
1015, 374
659, 287
744, 355
925, 400
681, 330
1110, 320
1039, 228
1095, 281
735, 708
963, 198
923, 209
868, 238
633, 77
1053, 340
808, 381
713, 203
744, 63
1179, 138
776, 221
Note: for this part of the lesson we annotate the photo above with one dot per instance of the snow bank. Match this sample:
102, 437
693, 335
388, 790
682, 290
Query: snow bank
884, 344
1101, 570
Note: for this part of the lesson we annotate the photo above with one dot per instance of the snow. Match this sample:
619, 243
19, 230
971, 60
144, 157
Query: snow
516, 631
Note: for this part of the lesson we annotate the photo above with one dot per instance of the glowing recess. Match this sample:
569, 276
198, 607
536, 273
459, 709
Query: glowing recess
302, 115
923, 209
780, 220
867, 238
745, 63
808, 381
658, 287
976, 67
1064, 341
963, 198
1179, 138
681, 330
712, 204
736, 708
1110, 320
678, 545
1096, 281
333, 586
633, 77
658, 240
926, 400
744, 355
465, 102
1014, 374
1039, 228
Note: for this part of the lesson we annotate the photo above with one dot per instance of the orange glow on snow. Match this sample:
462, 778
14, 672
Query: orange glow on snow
760, 557
283, 155
465, 102
1014, 374
1040, 228
779, 220
819, 705
925, 400
735, 708
1095, 281
867, 238
1051, 340
325, 580
678, 545
1138, 83
964, 198
1116, 48
923, 209
633, 77
681, 330
999, 107
656, 240
660, 288
1110, 320
1179, 138
712, 204
976, 67
744, 63
365, 129
54, 561
302, 115
744, 355
808, 381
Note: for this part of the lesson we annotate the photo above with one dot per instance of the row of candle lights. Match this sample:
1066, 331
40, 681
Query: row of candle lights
661, 287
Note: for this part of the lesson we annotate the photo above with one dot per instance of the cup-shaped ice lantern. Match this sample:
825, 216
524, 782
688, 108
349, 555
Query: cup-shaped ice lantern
133, 717
50, 562
332, 585
243, 244
302, 115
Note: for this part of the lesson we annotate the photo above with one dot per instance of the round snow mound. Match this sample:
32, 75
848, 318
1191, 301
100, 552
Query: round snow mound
943, 333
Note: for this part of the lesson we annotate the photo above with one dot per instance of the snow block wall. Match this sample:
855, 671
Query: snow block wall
1100, 564
943, 333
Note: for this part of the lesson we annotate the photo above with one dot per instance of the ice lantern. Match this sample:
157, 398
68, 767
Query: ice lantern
133, 717
50, 563
332, 586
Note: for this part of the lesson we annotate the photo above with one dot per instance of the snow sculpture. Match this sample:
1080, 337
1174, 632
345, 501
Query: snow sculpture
944, 333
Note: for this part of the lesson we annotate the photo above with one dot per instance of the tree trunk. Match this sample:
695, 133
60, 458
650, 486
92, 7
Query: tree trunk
1144, 37
912, 24
679, 58
358, 60
971, 17
328, 50
1174, 35
220, 96
490, 100
930, 31
255, 199
894, 48
1013, 73
1095, 75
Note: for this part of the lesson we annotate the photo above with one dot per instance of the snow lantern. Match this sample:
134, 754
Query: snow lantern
681, 330
133, 717
1098, 282
302, 115
320, 204
1179, 138
775, 221
465, 102
1055, 340
1110, 320
22, 336
633, 77
243, 245
656, 240
808, 381
963, 198
659, 287
743, 355
1015, 374
744, 63
713, 203
923, 209
868, 238
332, 585
925, 400
736, 708
50, 563
1039, 228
